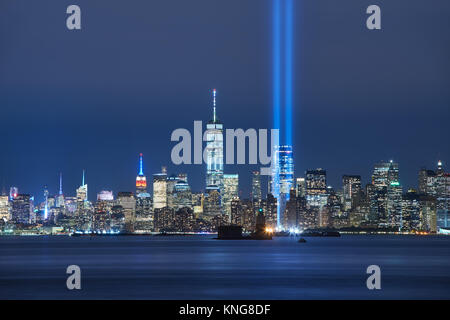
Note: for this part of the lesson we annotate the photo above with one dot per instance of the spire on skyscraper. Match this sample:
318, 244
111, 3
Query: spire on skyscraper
60, 183
141, 170
82, 181
214, 105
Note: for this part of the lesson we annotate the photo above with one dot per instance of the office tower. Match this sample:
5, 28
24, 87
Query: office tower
13, 192
291, 216
372, 203
235, 212
21, 209
428, 218
426, 181
60, 196
70, 205
211, 204
282, 178
394, 204
184, 220
128, 203
270, 206
171, 181
316, 188
256, 186
101, 219
46, 193
351, 191
141, 180
182, 195
411, 211
300, 187
197, 203
83, 214
214, 150
230, 191
4, 208
384, 173
144, 212
248, 215
164, 219
442, 194
105, 195
82, 191
160, 189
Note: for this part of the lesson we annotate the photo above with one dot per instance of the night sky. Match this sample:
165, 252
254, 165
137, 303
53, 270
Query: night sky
139, 69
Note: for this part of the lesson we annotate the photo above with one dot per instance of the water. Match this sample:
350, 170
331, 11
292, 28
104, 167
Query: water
199, 267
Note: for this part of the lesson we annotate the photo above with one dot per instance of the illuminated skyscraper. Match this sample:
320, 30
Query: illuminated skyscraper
230, 191
141, 180
300, 187
256, 186
60, 196
214, 150
282, 178
160, 189
182, 195
351, 190
316, 188
45, 202
4, 207
384, 173
21, 209
128, 203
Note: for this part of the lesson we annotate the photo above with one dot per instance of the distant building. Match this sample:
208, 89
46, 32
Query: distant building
160, 189
4, 208
282, 178
214, 150
230, 191
21, 209
141, 179
351, 191
316, 188
128, 203
256, 186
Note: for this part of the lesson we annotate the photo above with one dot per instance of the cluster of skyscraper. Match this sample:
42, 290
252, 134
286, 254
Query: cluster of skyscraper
291, 203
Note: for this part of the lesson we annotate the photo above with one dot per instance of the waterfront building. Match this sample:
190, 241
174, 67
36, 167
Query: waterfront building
22, 209
141, 179
230, 191
160, 189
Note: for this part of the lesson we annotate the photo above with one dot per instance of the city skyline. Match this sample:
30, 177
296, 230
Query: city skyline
84, 110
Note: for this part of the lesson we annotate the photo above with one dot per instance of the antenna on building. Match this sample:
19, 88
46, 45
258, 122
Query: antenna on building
141, 170
60, 183
214, 105
82, 183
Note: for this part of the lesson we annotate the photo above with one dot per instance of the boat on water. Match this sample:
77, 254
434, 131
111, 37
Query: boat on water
320, 234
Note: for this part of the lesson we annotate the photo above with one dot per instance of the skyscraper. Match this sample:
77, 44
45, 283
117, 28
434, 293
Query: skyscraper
214, 150
316, 187
282, 178
160, 189
300, 187
384, 173
21, 209
256, 186
141, 180
60, 196
4, 207
351, 191
230, 191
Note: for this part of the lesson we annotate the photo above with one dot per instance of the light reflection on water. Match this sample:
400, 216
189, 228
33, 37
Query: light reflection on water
199, 267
